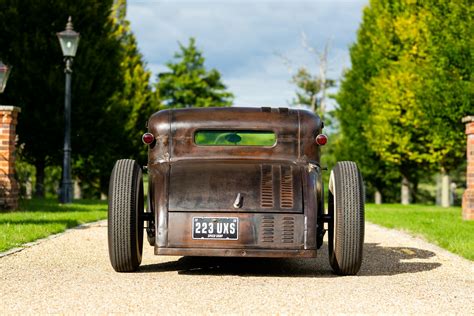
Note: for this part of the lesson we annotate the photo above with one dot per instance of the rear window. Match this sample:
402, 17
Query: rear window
234, 138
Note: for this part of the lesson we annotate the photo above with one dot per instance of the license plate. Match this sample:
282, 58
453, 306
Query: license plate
220, 228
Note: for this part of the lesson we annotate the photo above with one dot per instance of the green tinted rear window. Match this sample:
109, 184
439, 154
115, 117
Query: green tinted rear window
234, 138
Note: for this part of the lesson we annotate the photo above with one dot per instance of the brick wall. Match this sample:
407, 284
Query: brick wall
8, 183
468, 196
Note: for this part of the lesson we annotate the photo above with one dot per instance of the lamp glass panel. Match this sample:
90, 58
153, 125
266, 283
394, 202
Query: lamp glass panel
69, 44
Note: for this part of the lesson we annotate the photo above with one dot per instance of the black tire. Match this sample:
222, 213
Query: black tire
125, 224
346, 207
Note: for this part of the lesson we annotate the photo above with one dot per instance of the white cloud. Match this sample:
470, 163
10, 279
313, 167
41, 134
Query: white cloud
240, 38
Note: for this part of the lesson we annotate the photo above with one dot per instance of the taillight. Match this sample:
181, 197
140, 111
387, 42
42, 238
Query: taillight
148, 138
321, 139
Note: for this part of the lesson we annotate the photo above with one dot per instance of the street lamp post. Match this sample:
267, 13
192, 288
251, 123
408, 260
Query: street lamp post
69, 40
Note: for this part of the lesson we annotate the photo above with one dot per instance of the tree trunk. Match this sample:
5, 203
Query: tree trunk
438, 189
445, 182
378, 197
39, 187
414, 191
405, 191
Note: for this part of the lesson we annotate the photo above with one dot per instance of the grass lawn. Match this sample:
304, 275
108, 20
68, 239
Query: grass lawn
40, 218
441, 226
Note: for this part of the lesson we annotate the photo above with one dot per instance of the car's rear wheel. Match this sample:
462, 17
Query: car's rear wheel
346, 208
125, 224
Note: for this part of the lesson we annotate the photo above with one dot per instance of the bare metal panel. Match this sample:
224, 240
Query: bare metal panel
285, 236
214, 186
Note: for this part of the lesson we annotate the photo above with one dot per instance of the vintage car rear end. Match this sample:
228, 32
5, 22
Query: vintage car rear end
230, 199
235, 182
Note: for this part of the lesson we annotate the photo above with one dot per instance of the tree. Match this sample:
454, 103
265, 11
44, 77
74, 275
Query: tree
29, 44
419, 98
309, 86
135, 100
411, 72
131, 105
448, 88
189, 84
353, 110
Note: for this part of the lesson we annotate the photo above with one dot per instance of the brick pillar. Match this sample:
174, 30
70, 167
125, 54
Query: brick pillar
8, 183
468, 197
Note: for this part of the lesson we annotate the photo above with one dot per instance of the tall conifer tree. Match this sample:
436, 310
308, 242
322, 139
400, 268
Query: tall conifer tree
189, 84
29, 43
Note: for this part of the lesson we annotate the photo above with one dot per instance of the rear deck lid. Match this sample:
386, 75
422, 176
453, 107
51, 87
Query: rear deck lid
235, 187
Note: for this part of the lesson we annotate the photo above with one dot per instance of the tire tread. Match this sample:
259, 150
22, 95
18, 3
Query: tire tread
347, 247
124, 231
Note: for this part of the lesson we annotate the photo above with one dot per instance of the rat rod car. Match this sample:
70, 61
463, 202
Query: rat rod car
235, 182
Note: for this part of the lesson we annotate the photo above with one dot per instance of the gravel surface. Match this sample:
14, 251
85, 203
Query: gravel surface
71, 274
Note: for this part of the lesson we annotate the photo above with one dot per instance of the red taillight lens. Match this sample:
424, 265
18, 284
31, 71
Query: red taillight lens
321, 139
148, 138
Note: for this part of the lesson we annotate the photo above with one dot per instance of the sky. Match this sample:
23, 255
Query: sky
255, 45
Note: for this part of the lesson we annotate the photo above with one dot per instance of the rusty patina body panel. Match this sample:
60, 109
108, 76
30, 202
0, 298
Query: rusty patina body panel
280, 185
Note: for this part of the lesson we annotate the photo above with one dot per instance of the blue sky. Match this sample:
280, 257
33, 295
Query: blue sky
245, 39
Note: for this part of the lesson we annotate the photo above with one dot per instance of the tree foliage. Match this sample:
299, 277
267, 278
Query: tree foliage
189, 84
30, 45
448, 90
131, 106
419, 98
135, 99
308, 89
353, 111
106, 70
409, 86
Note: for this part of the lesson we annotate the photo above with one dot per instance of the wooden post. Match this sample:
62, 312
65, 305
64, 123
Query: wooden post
468, 196
8, 183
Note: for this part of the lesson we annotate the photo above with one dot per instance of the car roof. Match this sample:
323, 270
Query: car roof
295, 130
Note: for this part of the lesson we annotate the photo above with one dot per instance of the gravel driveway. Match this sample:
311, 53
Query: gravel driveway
72, 274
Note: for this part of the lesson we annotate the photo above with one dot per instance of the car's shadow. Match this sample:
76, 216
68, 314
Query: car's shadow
377, 260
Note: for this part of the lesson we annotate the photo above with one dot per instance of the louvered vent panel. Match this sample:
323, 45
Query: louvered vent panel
286, 187
266, 187
288, 230
267, 229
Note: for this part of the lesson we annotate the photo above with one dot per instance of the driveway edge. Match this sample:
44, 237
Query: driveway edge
39, 241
